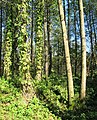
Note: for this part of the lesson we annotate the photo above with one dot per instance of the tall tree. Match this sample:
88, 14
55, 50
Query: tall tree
95, 40
15, 35
46, 65
8, 43
67, 54
75, 32
32, 32
91, 42
24, 51
0, 40
39, 38
69, 22
83, 51
48, 39
32, 40
64, 4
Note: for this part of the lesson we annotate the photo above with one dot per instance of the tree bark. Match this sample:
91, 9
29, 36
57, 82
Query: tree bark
46, 61
95, 42
1, 41
83, 51
48, 39
39, 39
75, 31
69, 23
32, 35
67, 54
64, 3
91, 42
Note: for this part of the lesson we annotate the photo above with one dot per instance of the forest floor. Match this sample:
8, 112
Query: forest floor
51, 101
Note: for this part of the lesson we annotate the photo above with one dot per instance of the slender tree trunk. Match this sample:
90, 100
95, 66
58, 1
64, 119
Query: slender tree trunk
94, 28
91, 41
32, 71
75, 31
58, 68
48, 39
8, 44
32, 35
67, 54
64, 7
13, 45
64, 10
14, 52
39, 39
46, 63
1, 41
83, 50
88, 26
69, 22
95, 37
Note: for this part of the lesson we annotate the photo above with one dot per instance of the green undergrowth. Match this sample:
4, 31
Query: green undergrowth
53, 92
50, 102
13, 107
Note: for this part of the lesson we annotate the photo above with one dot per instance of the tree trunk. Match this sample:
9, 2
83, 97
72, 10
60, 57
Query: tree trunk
67, 54
48, 39
75, 31
69, 22
95, 37
46, 61
58, 64
91, 42
8, 44
24, 50
1, 41
83, 50
64, 10
39, 39
32, 71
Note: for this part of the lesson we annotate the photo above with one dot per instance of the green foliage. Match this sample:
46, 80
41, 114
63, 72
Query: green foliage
53, 92
13, 106
50, 103
9, 91
52, 96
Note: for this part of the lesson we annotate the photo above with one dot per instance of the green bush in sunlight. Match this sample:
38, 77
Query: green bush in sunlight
13, 106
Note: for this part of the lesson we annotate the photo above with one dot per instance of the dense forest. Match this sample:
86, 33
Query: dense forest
48, 59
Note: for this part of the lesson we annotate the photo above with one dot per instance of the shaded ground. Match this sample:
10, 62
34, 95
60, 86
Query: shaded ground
51, 101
